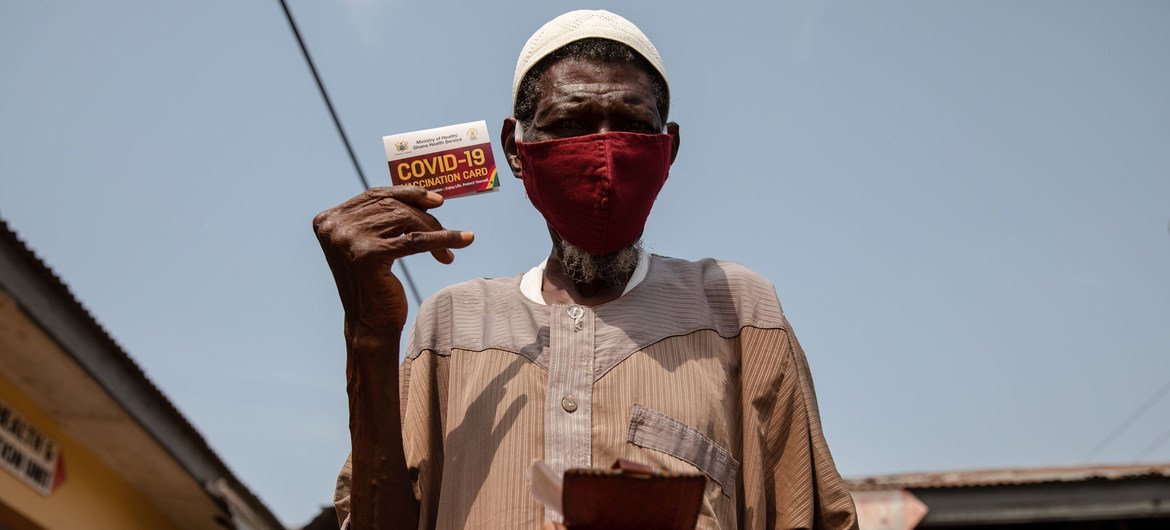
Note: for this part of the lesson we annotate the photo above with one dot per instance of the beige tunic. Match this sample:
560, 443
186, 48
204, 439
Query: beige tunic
694, 369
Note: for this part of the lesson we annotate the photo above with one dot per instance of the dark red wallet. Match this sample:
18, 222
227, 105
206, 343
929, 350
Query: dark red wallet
631, 496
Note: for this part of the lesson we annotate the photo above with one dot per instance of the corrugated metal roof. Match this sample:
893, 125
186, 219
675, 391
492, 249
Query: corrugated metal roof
1008, 476
50, 280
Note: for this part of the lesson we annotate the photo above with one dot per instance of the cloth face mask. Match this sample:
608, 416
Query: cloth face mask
596, 191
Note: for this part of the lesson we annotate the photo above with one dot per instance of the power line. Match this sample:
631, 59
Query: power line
324, 95
1161, 439
1125, 424
292, 24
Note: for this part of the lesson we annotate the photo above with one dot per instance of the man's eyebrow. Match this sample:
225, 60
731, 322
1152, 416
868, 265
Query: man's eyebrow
636, 99
628, 96
578, 99
571, 104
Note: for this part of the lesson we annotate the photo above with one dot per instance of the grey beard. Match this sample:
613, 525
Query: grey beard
584, 267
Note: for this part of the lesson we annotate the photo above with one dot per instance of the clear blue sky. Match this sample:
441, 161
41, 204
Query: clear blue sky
963, 205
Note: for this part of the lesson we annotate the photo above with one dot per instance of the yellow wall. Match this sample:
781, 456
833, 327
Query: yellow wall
93, 496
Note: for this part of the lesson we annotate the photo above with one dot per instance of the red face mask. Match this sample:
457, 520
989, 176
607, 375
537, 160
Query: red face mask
596, 191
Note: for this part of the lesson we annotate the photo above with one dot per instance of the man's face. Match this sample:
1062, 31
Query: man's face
579, 97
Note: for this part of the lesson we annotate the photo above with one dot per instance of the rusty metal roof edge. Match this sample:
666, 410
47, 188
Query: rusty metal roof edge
1008, 476
210, 459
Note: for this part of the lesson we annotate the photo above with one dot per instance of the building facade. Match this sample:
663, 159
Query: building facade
1119, 497
86, 440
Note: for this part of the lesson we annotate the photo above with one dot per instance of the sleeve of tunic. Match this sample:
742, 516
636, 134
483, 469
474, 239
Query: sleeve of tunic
790, 480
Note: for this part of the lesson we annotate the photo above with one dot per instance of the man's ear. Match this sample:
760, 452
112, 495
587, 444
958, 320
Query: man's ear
672, 130
508, 141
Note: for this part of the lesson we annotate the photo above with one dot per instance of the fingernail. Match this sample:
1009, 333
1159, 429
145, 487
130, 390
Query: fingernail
467, 235
434, 197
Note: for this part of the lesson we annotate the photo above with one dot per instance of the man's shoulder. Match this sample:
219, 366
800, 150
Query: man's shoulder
726, 293
476, 286
480, 290
712, 273
459, 316
709, 275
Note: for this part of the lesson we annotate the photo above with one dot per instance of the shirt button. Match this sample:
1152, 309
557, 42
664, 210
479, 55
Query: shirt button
575, 312
569, 404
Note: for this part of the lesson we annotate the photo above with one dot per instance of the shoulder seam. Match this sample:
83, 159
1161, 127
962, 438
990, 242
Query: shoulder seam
780, 327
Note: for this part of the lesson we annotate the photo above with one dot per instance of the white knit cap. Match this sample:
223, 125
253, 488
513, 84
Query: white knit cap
583, 24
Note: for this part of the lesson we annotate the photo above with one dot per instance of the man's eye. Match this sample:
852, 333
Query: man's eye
567, 123
639, 126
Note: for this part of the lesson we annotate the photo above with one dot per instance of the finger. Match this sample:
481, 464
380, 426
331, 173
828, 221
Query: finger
444, 256
401, 212
398, 231
415, 242
387, 218
412, 195
372, 250
426, 224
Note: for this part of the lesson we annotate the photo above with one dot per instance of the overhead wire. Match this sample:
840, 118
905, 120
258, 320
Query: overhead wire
292, 24
1161, 438
1128, 421
1154, 445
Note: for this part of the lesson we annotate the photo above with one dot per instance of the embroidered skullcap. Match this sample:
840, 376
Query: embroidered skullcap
583, 24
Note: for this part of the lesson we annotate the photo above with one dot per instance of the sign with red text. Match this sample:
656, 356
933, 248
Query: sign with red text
27, 453
452, 161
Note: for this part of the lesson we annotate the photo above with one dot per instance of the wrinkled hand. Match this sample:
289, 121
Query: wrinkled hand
363, 236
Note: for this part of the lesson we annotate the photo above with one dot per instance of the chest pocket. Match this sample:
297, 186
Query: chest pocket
657, 431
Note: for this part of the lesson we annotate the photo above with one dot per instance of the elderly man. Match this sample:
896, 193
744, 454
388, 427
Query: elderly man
601, 352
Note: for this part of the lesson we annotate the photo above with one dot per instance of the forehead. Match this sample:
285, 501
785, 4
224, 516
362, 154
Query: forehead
586, 80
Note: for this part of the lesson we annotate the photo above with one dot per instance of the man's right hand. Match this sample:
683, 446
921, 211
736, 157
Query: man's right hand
363, 236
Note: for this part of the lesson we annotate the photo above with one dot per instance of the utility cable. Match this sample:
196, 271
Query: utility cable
292, 24
1161, 439
1125, 424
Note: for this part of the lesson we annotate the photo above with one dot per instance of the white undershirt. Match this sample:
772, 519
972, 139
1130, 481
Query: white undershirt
533, 280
